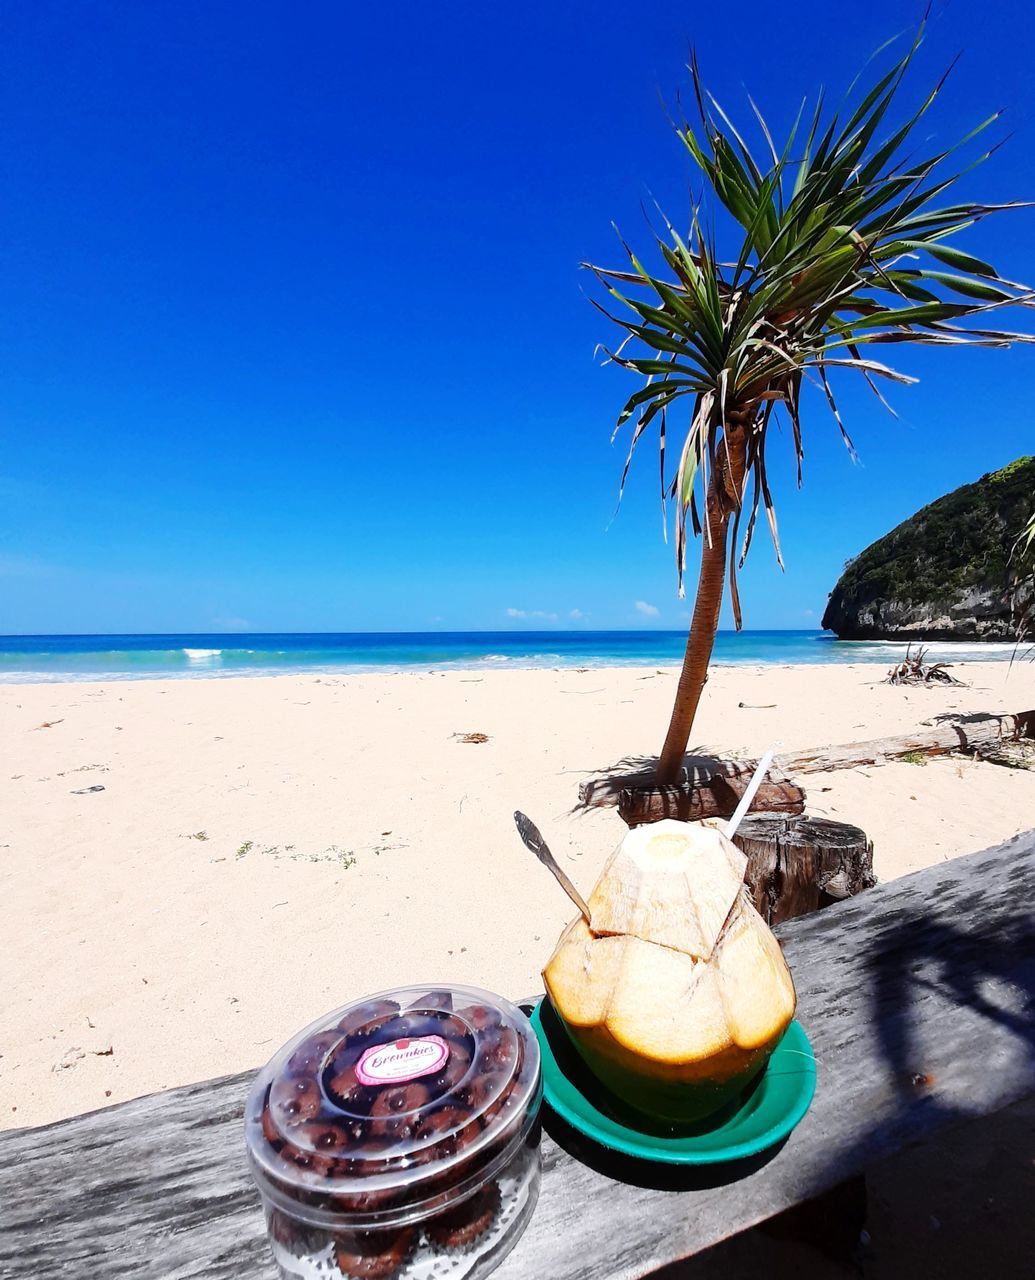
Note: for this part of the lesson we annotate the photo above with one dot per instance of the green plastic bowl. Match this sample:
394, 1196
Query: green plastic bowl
764, 1115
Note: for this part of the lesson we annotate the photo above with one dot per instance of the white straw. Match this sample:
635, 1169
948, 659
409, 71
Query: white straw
749, 794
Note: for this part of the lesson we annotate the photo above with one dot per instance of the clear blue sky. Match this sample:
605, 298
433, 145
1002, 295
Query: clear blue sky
294, 335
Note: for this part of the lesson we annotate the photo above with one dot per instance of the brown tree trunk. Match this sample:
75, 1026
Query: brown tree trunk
724, 495
797, 865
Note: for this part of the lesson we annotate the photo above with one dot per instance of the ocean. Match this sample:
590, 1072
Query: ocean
33, 659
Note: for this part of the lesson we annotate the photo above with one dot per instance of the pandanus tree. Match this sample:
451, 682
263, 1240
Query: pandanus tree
843, 242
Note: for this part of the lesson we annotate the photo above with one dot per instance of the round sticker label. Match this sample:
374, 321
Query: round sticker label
402, 1060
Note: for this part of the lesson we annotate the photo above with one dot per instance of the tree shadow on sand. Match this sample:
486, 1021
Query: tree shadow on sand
604, 786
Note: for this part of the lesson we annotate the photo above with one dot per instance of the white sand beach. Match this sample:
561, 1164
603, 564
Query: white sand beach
264, 849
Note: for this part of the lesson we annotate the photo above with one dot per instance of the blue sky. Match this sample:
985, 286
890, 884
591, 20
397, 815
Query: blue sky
295, 336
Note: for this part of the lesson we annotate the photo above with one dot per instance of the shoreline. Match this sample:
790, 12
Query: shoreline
259, 851
871, 654
123, 659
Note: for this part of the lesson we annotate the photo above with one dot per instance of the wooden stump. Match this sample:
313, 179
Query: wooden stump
710, 796
798, 864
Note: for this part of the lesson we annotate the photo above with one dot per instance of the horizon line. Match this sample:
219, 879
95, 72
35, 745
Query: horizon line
475, 631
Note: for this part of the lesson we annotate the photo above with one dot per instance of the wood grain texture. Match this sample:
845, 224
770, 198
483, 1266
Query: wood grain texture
718, 797
798, 864
970, 735
980, 735
919, 999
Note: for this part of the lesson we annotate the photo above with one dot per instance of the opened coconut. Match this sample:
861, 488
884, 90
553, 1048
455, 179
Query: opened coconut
678, 992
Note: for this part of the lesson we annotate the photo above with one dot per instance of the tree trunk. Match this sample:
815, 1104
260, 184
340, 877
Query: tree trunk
725, 490
797, 865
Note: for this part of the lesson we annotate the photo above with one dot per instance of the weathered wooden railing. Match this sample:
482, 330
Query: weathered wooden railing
918, 997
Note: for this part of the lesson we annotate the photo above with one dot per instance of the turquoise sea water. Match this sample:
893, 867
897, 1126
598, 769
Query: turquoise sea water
28, 659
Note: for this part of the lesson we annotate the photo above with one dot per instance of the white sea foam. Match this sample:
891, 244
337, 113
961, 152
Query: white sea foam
201, 655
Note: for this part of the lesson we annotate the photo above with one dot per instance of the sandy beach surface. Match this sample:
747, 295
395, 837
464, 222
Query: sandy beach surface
265, 849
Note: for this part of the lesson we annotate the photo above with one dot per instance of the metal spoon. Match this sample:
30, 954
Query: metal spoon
533, 839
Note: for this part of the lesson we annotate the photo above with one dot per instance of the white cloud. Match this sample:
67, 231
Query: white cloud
648, 610
531, 613
808, 613
576, 614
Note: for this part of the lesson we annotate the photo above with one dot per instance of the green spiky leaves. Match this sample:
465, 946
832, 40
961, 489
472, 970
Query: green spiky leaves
845, 244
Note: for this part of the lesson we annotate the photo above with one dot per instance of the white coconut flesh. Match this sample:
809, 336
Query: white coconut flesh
678, 965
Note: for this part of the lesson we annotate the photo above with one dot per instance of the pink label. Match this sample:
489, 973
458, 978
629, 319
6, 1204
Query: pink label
402, 1060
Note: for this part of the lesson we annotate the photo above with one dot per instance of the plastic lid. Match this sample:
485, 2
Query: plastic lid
402, 1095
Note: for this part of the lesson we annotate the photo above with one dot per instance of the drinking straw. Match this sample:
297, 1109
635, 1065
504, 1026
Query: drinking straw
749, 794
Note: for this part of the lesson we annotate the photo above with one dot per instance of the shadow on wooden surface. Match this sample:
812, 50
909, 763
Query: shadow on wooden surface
952, 1209
913, 961
645, 1173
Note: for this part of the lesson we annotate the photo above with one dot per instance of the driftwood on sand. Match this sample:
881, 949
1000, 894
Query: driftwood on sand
983, 736
912, 670
969, 735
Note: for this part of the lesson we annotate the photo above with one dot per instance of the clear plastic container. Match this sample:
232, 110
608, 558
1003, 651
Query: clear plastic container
398, 1138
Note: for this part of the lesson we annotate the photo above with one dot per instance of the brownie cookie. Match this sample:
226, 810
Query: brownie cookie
478, 1093
435, 1000
295, 1098
480, 1017
373, 1011
309, 1057
498, 1051
461, 1225
447, 1132
394, 1111
372, 1255
296, 1236
452, 1074
345, 1089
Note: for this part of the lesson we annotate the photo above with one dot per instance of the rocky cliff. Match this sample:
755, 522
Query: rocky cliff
943, 573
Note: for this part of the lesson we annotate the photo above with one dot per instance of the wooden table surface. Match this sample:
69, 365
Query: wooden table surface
918, 997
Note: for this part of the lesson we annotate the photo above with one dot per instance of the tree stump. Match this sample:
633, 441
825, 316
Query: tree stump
798, 864
710, 797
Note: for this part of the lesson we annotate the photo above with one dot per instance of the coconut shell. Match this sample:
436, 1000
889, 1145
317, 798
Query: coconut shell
679, 992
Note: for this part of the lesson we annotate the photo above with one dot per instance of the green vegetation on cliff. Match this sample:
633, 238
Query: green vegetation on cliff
945, 570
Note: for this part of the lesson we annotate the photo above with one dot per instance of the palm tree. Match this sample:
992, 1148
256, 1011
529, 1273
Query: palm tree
845, 244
